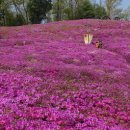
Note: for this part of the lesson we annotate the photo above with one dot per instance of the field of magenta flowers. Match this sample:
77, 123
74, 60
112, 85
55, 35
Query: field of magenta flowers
51, 80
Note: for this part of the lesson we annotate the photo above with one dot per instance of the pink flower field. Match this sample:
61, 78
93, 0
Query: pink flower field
51, 80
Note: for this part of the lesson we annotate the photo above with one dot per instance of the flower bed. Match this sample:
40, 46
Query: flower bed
51, 80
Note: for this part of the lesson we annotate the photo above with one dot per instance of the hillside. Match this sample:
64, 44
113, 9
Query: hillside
51, 80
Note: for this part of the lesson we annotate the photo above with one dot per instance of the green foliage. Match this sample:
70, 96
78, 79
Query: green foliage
84, 10
81, 9
38, 9
33, 11
68, 13
19, 20
58, 9
99, 11
12, 20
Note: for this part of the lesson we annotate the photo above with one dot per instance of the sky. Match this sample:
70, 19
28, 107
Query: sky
124, 4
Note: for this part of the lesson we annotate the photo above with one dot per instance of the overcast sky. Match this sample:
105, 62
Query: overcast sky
124, 4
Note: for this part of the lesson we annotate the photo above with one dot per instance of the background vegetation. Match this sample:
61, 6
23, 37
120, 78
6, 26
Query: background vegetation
19, 12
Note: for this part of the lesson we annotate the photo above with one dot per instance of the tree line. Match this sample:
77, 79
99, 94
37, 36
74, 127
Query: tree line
20, 12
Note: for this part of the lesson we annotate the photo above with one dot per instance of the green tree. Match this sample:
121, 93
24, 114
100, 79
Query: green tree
20, 7
14, 20
99, 11
67, 13
58, 7
38, 10
4, 9
84, 10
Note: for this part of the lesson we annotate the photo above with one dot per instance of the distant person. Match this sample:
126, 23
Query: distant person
98, 44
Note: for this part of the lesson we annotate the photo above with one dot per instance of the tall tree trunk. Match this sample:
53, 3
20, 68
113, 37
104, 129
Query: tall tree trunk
72, 8
58, 16
26, 12
18, 10
77, 6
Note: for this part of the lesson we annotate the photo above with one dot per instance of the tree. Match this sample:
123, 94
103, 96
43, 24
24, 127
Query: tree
14, 20
14, 11
111, 7
71, 6
4, 9
125, 14
17, 5
77, 9
117, 12
57, 9
24, 4
99, 11
38, 10
84, 10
